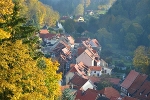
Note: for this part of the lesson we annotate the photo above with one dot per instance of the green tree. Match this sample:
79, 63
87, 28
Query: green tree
130, 41
67, 94
104, 36
79, 10
141, 59
104, 82
69, 26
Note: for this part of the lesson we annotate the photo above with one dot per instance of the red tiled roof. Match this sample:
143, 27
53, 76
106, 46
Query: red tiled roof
44, 31
78, 81
89, 94
137, 83
65, 44
48, 35
144, 92
90, 54
94, 79
114, 80
80, 68
110, 92
129, 79
129, 98
95, 68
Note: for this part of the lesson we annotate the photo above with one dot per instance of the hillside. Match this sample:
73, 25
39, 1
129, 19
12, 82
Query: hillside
38, 13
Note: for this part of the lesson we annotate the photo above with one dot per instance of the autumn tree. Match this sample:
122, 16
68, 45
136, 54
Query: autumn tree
141, 59
6, 8
79, 10
21, 75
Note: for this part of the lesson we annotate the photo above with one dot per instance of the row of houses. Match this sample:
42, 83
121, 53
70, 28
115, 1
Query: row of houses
136, 85
82, 68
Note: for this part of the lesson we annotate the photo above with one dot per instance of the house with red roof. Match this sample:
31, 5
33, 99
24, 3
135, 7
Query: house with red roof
110, 93
89, 57
78, 82
143, 93
89, 94
95, 71
141, 78
125, 85
79, 40
79, 68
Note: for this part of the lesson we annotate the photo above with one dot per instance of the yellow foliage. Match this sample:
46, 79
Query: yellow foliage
20, 78
6, 8
4, 34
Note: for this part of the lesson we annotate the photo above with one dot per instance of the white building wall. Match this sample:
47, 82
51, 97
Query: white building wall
95, 73
107, 70
87, 85
85, 59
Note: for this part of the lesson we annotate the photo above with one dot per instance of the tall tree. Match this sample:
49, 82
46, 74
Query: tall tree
20, 77
79, 10
141, 59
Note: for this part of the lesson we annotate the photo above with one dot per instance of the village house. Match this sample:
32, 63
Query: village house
79, 40
78, 82
141, 78
89, 57
95, 71
89, 94
95, 45
128, 82
110, 93
143, 93
79, 19
136, 85
79, 68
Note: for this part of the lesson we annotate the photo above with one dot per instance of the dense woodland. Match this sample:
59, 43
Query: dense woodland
38, 14
69, 7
